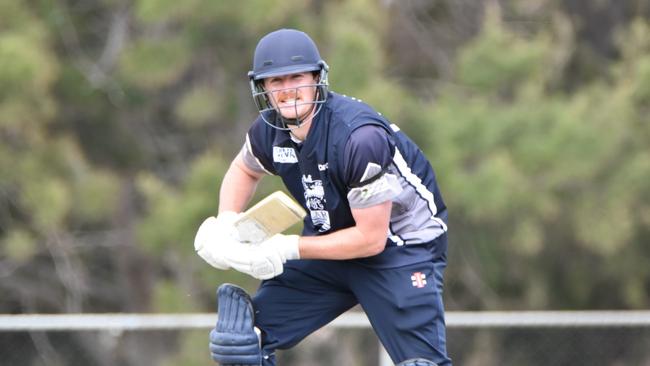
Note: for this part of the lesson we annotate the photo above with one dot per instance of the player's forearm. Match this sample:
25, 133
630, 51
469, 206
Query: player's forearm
343, 244
237, 187
365, 239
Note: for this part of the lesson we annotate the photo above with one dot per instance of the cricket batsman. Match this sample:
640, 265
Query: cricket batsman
375, 232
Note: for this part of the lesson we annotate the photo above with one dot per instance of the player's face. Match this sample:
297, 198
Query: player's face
293, 95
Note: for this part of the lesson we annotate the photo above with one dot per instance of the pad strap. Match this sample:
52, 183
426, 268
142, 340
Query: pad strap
234, 341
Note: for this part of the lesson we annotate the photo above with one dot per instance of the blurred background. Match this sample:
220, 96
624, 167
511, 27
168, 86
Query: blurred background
118, 119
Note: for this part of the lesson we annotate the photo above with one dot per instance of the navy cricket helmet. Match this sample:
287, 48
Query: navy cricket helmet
284, 52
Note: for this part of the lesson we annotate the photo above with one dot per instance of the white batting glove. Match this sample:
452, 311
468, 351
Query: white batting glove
215, 236
265, 260
286, 246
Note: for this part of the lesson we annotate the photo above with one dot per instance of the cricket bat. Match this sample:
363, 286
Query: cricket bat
272, 215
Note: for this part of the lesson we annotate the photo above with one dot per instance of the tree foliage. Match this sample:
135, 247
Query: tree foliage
118, 120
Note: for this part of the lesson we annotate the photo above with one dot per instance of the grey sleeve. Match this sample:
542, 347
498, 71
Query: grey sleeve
251, 161
368, 166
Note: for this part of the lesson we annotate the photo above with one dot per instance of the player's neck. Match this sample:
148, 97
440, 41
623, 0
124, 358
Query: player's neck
301, 132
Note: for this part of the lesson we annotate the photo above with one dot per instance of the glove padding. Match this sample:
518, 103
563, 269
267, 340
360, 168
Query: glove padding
265, 260
215, 236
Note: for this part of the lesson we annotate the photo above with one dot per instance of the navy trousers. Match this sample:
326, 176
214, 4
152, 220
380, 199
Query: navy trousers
404, 305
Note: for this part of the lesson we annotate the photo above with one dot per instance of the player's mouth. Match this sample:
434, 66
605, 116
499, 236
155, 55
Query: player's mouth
290, 102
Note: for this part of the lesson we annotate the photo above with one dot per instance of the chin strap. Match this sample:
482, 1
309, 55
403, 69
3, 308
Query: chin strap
289, 124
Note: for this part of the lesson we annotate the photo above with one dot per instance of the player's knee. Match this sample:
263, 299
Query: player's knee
235, 349
417, 362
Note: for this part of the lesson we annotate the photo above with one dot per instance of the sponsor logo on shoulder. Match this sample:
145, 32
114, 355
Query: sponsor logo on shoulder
284, 155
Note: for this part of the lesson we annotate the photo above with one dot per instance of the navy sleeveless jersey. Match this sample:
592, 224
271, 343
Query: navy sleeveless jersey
317, 173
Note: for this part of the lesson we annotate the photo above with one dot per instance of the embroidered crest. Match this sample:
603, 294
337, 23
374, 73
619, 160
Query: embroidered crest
315, 202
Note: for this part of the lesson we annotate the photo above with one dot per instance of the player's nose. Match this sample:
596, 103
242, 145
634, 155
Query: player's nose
289, 92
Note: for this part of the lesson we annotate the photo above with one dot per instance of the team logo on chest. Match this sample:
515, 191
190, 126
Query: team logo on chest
418, 279
284, 155
315, 202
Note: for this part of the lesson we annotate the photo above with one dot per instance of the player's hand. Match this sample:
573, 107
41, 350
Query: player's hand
265, 260
286, 246
215, 236
254, 261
